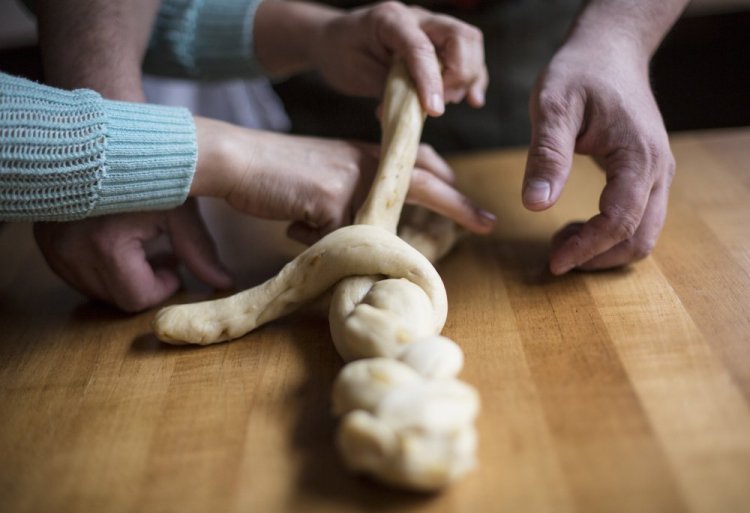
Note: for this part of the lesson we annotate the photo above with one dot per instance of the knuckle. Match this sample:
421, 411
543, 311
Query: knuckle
427, 150
389, 9
426, 154
332, 192
422, 47
642, 248
554, 103
462, 74
671, 168
622, 224
420, 180
547, 156
637, 249
634, 166
472, 34
653, 154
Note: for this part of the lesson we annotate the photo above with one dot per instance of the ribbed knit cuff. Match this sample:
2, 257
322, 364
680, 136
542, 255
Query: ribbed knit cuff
223, 42
208, 39
150, 153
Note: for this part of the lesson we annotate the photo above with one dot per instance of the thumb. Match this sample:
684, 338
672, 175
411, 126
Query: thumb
555, 122
193, 244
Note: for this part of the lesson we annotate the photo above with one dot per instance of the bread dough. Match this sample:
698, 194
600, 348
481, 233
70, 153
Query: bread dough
406, 419
349, 251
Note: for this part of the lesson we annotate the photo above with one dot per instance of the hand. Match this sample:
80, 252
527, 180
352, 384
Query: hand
595, 99
104, 257
354, 50
318, 184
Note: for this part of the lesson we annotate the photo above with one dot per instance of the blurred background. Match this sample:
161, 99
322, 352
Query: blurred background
700, 75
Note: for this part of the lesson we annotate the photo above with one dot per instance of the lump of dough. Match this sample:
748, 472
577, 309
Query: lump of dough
434, 357
403, 428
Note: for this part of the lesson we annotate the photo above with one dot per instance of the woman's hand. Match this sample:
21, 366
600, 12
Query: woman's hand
318, 184
354, 50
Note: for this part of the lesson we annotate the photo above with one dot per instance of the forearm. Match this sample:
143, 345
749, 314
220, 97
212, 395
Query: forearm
637, 25
228, 38
206, 39
80, 155
97, 44
285, 33
108, 157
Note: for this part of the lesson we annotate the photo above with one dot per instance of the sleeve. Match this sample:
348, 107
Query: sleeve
207, 39
66, 155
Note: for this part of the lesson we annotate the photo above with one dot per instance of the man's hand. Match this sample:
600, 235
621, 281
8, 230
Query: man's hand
318, 184
100, 44
594, 98
354, 50
104, 257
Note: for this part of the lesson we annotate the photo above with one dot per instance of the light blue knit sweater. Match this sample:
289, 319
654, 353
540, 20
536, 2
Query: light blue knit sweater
67, 155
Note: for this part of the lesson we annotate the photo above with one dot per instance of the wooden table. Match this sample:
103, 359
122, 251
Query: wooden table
616, 391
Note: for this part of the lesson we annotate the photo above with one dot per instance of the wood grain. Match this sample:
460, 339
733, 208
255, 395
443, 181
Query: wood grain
617, 391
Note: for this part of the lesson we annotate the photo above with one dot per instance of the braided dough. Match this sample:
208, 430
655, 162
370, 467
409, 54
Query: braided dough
405, 417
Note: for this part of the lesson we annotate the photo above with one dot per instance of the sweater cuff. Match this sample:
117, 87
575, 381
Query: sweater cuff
223, 40
207, 39
151, 152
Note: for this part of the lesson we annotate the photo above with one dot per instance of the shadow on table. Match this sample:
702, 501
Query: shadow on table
524, 262
148, 344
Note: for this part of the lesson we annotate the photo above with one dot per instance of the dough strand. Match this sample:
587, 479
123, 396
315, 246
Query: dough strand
405, 417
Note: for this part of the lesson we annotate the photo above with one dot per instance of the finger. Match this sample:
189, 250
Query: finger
460, 47
122, 265
476, 96
429, 160
304, 233
563, 234
130, 280
622, 206
642, 243
556, 119
434, 194
194, 245
399, 31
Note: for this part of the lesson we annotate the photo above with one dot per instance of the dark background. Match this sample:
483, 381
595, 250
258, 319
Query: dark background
700, 76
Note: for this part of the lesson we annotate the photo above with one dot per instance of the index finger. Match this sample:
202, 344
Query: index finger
399, 30
429, 191
622, 205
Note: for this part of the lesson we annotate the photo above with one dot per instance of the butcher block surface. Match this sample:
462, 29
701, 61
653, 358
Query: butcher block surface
618, 391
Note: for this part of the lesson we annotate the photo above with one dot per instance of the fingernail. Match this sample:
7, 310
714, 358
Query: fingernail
536, 191
479, 97
561, 269
436, 104
487, 217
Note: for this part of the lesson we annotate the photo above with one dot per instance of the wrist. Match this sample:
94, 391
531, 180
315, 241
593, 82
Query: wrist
212, 139
597, 43
287, 35
632, 29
